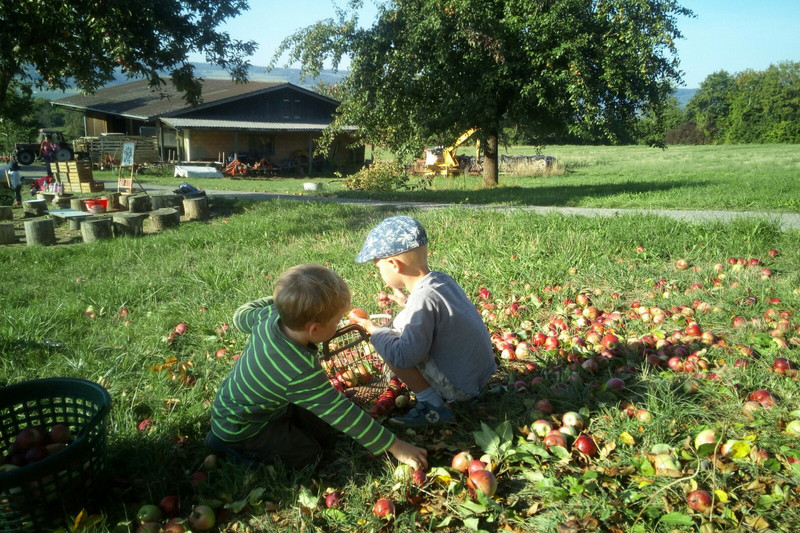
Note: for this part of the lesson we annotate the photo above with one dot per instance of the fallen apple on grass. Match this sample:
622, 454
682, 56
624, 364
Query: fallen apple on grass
699, 500
202, 518
461, 461
383, 508
484, 481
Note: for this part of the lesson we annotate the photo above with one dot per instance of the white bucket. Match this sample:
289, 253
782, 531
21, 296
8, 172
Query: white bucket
311, 186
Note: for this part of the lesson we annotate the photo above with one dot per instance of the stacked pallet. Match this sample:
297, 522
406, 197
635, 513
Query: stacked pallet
77, 177
106, 150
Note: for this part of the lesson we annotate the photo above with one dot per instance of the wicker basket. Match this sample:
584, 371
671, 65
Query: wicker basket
353, 366
40, 495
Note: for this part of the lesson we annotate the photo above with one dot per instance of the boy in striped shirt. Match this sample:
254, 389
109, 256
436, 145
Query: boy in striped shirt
277, 403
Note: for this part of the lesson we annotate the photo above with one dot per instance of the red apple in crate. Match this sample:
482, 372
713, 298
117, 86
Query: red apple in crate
383, 508
202, 518
484, 481
60, 433
699, 500
461, 461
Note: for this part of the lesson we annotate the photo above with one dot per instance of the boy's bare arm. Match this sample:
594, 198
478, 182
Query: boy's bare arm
413, 456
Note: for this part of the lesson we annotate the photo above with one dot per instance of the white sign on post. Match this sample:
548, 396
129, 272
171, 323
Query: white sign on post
127, 154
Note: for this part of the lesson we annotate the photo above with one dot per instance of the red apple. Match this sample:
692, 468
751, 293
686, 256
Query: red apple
169, 505
144, 424
773, 253
699, 500
332, 499
419, 478
222, 353
484, 481
555, 438
461, 461
707, 436
356, 314
573, 419
202, 518
475, 464
762, 396
585, 444
544, 406
383, 508
615, 384
180, 329
681, 264
781, 365
60, 433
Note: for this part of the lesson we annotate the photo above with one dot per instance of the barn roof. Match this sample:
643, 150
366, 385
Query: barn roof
136, 100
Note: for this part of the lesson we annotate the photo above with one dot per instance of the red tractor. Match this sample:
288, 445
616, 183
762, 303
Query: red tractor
27, 153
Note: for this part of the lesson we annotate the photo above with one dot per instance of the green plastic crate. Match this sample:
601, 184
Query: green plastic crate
41, 495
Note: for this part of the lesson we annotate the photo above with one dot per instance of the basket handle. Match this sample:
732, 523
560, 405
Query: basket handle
363, 337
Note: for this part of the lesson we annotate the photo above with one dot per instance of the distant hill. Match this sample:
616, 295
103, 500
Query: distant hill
291, 75
210, 71
684, 95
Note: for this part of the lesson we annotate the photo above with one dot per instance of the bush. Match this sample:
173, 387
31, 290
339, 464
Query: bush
379, 176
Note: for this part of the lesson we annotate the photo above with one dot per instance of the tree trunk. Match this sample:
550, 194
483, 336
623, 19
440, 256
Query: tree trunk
77, 204
96, 229
196, 208
128, 224
6, 213
40, 232
166, 217
490, 163
7, 235
139, 204
34, 208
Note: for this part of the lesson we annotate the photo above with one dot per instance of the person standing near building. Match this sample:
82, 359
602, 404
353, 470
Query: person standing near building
47, 149
15, 181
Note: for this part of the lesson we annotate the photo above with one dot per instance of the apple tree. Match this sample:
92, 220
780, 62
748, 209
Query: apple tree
82, 43
428, 70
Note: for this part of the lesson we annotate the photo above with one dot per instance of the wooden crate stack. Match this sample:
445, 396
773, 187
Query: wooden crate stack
107, 148
77, 177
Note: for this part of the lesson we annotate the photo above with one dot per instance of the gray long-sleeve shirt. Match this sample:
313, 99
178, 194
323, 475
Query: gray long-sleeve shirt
441, 324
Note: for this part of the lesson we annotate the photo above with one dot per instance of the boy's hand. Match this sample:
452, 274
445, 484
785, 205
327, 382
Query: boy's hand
398, 297
413, 456
368, 325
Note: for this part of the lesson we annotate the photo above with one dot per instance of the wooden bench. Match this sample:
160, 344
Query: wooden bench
72, 215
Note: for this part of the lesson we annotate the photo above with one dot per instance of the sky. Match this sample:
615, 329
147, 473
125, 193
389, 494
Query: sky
731, 35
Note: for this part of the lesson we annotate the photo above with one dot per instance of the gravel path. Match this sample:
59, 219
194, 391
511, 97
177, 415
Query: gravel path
786, 221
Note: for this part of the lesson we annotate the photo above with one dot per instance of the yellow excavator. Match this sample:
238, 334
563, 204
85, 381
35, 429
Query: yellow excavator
443, 161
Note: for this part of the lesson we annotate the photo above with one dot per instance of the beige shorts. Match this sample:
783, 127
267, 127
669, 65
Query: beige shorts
440, 383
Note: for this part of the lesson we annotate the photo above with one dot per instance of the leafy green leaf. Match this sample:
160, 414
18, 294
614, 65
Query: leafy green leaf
676, 519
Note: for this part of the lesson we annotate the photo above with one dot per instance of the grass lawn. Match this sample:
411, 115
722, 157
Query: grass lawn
730, 177
693, 344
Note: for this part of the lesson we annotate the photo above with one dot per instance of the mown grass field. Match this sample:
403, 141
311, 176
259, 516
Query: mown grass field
731, 177
526, 273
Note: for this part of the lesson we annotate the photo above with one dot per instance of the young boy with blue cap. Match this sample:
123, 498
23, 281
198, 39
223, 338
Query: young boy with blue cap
437, 344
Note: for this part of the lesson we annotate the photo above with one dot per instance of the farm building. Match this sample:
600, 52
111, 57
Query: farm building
278, 121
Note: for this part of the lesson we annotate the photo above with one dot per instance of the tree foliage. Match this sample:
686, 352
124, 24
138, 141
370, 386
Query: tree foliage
750, 106
82, 43
427, 70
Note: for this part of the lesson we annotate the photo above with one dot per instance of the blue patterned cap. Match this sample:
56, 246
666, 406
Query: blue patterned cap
393, 236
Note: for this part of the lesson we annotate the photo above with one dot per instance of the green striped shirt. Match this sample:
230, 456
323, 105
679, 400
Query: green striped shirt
274, 371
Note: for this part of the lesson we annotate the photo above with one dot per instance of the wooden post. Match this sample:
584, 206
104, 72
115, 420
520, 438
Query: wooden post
77, 204
40, 232
6, 213
196, 208
34, 208
123, 200
96, 229
167, 217
7, 235
139, 204
128, 224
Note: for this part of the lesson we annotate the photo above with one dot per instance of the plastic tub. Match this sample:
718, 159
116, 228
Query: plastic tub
103, 202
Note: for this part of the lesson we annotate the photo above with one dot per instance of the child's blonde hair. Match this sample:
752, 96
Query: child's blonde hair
310, 293
416, 257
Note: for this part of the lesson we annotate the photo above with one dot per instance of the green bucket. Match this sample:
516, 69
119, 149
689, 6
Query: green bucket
40, 495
